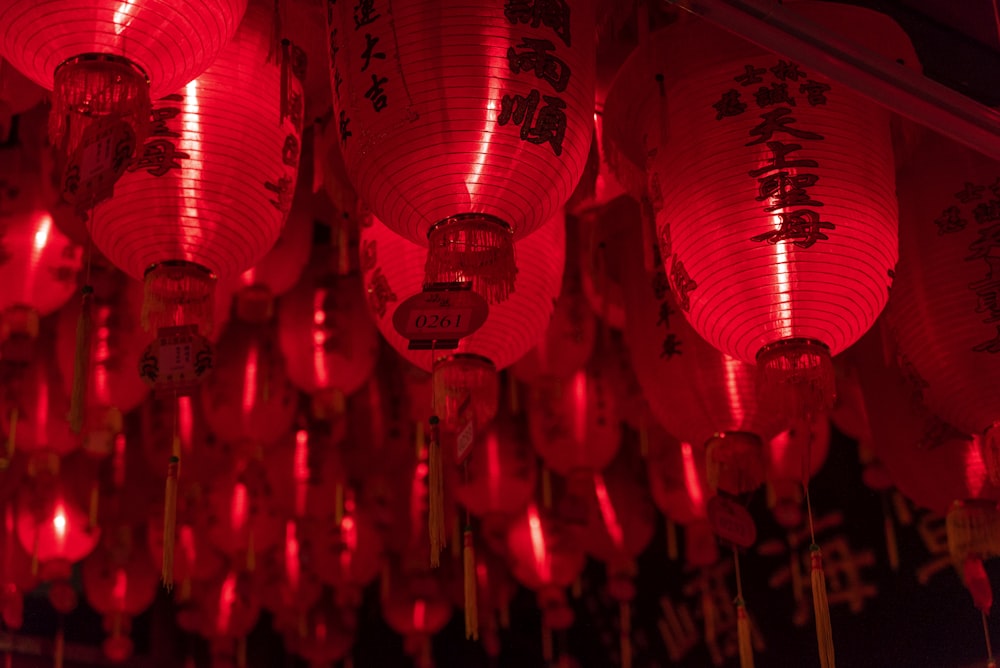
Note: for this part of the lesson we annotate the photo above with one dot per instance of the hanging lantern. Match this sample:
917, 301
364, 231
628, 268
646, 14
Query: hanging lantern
415, 606
240, 517
392, 270
284, 582
104, 62
544, 551
16, 577
501, 472
943, 314
573, 423
249, 399
800, 449
796, 187
204, 456
38, 264
119, 583
195, 560
223, 608
467, 149
207, 197
111, 387
329, 342
325, 636
604, 254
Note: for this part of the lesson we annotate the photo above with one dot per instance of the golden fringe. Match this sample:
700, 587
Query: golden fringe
625, 615
179, 294
170, 520
435, 495
471, 601
821, 608
745, 638
81, 361
473, 248
795, 378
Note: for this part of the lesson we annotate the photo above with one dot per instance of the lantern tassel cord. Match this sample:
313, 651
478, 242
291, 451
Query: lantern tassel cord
60, 648
625, 616
81, 360
435, 494
821, 603
471, 598
891, 544
743, 631
992, 663
170, 513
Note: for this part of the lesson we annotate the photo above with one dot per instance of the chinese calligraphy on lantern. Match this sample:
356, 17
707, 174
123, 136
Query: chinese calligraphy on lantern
709, 596
783, 181
844, 568
980, 203
540, 117
159, 154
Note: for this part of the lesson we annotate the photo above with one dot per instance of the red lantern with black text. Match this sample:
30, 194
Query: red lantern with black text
210, 189
779, 243
464, 125
501, 472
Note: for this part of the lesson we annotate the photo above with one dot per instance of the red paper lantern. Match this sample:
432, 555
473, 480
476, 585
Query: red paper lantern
16, 578
787, 456
210, 190
543, 550
622, 518
942, 311
603, 255
329, 342
223, 608
248, 399
105, 60
17, 95
415, 606
240, 516
195, 560
464, 125
324, 637
203, 455
286, 584
573, 423
501, 471
779, 243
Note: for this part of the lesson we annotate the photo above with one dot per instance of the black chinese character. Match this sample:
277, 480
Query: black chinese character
665, 312
377, 94
283, 190
369, 51
969, 192
987, 212
344, 122
158, 157
787, 71
988, 237
779, 151
550, 13
682, 282
158, 122
777, 93
334, 47
751, 75
779, 120
337, 81
995, 187
545, 65
802, 228
364, 13
783, 189
729, 105
380, 293
290, 151
549, 125
815, 92
950, 221
671, 346
661, 286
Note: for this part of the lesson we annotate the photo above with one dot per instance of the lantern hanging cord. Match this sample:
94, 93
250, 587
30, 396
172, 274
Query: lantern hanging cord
989, 643
807, 462
739, 578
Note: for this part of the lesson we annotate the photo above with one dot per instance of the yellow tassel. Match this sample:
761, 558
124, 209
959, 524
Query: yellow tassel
546, 488
338, 504
435, 495
95, 500
81, 361
12, 434
60, 649
471, 601
251, 553
672, 551
170, 522
743, 635
891, 545
625, 612
418, 440
821, 608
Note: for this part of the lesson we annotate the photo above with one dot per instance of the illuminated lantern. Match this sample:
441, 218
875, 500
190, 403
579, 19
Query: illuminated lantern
195, 560
679, 486
34, 405
329, 342
241, 517
284, 582
248, 399
501, 471
603, 256
787, 455
543, 550
224, 608
112, 386
416, 607
119, 583
208, 193
16, 578
325, 636
779, 243
495, 590
943, 314
203, 456
573, 423
281, 268
393, 272
105, 60
467, 125
38, 264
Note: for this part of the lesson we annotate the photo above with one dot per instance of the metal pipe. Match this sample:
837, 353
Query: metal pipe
898, 88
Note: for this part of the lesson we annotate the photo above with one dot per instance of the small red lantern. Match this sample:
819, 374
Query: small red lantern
203, 455
195, 560
285, 583
501, 472
205, 197
543, 550
800, 449
16, 577
223, 608
454, 131
325, 635
779, 243
416, 607
240, 517
622, 517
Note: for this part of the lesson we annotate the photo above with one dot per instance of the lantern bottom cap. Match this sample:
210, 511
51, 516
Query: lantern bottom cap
476, 248
178, 293
795, 378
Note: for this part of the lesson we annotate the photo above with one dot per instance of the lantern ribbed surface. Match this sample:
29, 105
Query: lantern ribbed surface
172, 41
454, 107
770, 242
944, 311
213, 184
393, 270
692, 389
